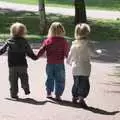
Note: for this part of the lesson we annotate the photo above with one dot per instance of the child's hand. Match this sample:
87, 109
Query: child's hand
68, 62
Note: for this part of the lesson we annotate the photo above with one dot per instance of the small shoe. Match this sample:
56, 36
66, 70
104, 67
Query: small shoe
49, 96
15, 97
58, 98
83, 104
74, 100
27, 92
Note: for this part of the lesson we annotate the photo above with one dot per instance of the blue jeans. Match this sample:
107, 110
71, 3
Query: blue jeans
81, 86
55, 78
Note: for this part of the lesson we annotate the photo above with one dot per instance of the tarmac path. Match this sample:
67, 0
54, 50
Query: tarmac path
103, 99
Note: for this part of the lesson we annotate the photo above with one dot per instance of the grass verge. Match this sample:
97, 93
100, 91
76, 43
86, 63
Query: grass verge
101, 29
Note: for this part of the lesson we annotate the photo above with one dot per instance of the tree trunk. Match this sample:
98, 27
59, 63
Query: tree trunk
80, 11
43, 21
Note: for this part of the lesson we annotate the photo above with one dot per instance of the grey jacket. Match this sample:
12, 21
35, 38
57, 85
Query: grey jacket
18, 48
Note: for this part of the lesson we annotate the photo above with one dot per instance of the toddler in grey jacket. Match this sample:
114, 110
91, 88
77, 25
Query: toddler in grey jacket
18, 48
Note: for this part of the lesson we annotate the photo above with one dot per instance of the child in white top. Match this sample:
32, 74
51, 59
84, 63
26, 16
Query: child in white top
79, 59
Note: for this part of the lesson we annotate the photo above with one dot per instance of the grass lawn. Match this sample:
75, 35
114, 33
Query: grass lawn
98, 4
101, 29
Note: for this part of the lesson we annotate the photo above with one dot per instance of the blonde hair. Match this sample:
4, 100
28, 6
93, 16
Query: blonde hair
18, 29
81, 31
56, 29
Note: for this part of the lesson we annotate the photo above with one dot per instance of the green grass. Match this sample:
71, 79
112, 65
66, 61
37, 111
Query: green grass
23, 1
101, 29
105, 29
97, 4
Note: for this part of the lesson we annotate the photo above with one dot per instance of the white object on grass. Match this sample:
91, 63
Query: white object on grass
99, 51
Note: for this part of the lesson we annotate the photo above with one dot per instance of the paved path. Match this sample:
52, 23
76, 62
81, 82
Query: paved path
103, 100
65, 11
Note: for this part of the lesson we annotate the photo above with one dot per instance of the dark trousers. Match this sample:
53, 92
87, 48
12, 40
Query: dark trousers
14, 74
81, 86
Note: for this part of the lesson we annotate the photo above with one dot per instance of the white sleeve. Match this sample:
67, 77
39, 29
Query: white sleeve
71, 55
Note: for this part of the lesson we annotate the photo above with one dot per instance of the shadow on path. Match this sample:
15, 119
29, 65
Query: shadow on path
89, 108
64, 103
100, 111
28, 100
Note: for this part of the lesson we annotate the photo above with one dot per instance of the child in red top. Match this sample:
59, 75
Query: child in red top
56, 48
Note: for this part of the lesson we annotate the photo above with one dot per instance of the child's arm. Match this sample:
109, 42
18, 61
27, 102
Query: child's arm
4, 48
30, 52
70, 56
41, 51
67, 48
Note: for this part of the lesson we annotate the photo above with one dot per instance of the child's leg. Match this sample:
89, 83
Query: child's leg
84, 86
75, 89
50, 78
13, 79
59, 80
22, 72
83, 90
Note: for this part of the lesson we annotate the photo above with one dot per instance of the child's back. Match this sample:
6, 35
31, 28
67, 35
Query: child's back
56, 50
18, 48
80, 58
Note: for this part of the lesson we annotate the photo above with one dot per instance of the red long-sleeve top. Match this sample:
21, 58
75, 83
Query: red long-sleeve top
56, 49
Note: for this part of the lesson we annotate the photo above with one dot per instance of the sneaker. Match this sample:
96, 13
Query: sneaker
58, 98
74, 100
27, 92
49, 96
83, 104
14, 97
